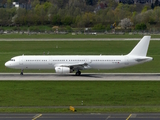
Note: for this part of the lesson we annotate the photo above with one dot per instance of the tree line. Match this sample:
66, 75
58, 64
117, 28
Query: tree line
98, 14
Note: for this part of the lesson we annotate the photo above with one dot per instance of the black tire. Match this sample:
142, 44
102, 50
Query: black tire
78, 73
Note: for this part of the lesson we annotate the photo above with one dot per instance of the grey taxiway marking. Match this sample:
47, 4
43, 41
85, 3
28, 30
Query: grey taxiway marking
74, 39
83, 77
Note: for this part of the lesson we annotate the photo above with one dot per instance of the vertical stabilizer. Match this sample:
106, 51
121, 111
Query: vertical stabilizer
142, 47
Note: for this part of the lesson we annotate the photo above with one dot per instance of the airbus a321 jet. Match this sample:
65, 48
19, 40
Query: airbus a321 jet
70, 63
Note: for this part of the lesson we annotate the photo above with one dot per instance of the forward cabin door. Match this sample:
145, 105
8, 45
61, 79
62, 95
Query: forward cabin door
21, 60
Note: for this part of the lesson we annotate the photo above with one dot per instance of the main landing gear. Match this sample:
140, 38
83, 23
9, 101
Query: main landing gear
21, 72
78, 73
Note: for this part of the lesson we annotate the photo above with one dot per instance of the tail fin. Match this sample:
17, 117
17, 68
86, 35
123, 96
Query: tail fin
142, 47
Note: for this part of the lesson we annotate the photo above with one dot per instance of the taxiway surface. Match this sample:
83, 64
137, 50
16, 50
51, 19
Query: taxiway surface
73, 39
83, 77
75, 116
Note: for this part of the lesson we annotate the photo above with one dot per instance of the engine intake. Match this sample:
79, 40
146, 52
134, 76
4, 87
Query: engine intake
62, 70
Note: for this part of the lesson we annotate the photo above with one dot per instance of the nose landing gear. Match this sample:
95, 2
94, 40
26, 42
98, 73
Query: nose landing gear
21, 72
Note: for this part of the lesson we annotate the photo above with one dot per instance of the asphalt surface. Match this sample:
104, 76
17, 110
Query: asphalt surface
83, 77
75, 116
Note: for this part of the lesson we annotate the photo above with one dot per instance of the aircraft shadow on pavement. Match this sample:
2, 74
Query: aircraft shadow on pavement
53, 75
82, 75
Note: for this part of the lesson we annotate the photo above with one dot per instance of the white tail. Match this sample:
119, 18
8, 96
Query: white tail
142, 47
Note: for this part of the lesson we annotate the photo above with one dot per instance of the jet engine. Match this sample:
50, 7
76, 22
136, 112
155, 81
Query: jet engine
62, 70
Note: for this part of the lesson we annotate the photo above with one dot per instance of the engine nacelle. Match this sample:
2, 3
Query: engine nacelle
62, 70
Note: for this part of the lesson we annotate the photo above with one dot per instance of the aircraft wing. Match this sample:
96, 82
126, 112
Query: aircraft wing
79, 66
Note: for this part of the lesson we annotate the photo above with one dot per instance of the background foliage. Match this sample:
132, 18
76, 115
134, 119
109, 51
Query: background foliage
80, 13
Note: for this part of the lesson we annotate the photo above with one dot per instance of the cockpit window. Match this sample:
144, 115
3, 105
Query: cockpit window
12, 60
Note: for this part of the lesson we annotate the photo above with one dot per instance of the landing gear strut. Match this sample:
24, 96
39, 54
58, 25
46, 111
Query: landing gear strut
21, 72
78, 73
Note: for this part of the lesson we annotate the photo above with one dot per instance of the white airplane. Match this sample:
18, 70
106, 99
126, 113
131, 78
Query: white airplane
69, 63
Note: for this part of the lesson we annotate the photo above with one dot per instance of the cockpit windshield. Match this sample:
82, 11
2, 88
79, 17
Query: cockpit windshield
12, 60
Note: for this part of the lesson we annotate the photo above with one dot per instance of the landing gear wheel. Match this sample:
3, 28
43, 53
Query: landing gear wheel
78, 73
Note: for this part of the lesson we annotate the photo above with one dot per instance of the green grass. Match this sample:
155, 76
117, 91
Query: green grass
138, 95
10, 49
50, 36
82, 110
47, 93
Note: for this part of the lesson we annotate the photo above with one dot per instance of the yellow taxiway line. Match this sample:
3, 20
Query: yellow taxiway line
129, 117
37, 116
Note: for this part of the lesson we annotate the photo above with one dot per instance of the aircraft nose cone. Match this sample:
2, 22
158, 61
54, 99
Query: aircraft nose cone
7, 64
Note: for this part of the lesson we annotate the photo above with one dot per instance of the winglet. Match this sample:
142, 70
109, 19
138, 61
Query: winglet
142, 47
